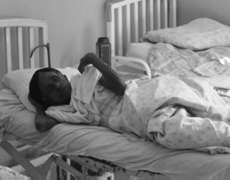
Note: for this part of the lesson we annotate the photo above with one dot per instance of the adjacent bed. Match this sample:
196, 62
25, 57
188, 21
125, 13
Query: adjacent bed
199, 47
91, 151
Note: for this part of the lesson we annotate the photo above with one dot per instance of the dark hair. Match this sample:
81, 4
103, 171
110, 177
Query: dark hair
34, 89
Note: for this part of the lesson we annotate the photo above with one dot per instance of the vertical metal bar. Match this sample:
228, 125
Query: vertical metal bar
158, 13
8, 49
68, 161
20, 47
173, 13
136, 21
112, 28
32, 43
151, 15
165, 15
128, 23
120, 32
45, 41
143, 17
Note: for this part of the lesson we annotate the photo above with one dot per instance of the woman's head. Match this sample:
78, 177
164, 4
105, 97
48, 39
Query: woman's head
49, 87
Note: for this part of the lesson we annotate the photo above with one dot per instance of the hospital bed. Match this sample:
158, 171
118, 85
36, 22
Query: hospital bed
147, 32
78, 151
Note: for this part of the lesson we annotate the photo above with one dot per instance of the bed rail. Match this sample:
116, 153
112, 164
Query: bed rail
27, 33
128, 20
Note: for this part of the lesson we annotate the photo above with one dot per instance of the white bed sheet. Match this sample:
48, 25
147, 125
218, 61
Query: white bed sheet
135, 154
121, 149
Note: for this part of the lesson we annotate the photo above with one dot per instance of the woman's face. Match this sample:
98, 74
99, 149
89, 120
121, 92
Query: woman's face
55, 88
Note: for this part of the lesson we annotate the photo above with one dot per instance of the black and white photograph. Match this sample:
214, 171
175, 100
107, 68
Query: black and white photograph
115, 90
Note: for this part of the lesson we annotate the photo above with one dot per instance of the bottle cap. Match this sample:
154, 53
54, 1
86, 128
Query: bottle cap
103, 40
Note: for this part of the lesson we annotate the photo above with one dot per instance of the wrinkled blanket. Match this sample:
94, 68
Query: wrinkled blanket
211, 64
193, 116
178, 114
166, 59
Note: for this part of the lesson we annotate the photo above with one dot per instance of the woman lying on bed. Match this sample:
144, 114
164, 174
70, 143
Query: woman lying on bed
49, 87
177, 113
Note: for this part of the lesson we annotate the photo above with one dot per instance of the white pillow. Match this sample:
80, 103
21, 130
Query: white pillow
18, 82
201, 33
15, 119
139, 50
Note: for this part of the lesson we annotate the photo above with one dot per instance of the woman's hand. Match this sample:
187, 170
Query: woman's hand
89, 58
44, 123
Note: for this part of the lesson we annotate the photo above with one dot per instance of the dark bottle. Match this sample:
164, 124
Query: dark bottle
103, 47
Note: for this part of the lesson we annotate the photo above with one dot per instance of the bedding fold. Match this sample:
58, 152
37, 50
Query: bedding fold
164, 58
193, 120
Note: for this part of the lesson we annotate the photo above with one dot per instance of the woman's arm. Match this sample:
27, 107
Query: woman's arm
42, 121
109, 79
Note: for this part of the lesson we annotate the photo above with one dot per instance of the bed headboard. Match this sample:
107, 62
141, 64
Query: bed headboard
17, 39
128, 20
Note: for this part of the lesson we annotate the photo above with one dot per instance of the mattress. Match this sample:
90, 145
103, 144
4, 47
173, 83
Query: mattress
124, 150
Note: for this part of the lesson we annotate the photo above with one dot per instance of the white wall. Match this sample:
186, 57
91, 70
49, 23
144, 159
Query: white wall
74, 25
216, 9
